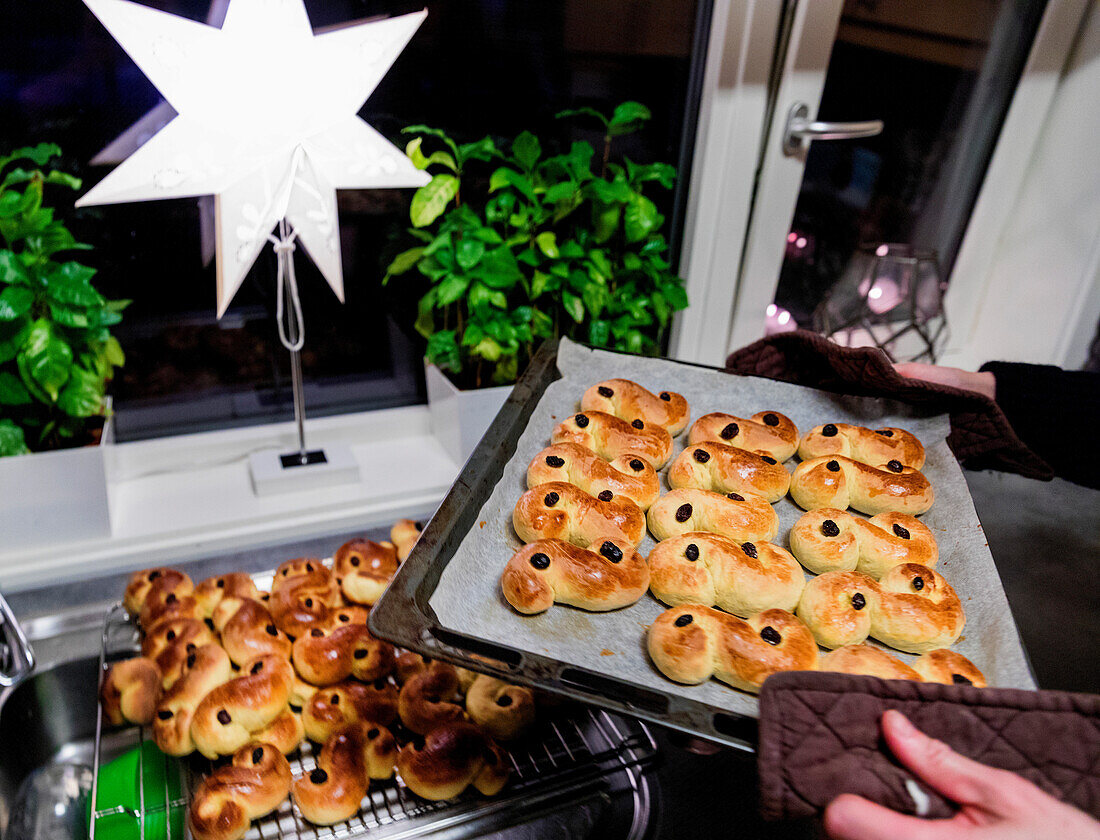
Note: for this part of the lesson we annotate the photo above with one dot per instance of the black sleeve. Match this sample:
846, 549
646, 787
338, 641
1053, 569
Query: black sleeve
1056, 413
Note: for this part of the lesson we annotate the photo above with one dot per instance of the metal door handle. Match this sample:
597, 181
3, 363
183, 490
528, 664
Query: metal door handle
800, 130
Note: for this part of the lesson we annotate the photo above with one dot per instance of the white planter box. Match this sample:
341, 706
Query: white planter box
460, 418
55, 497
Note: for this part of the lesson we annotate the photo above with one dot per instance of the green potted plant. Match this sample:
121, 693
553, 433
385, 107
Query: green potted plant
57, 355
513, 245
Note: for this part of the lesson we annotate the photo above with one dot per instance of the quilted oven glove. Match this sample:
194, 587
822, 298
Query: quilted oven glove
820, 737
981, 436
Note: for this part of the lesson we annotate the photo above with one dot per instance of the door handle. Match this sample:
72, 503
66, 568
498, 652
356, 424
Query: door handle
800, 130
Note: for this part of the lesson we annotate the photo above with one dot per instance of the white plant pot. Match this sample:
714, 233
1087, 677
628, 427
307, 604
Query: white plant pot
460, 418
56, 497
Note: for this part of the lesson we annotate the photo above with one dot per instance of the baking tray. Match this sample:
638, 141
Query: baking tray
445, 600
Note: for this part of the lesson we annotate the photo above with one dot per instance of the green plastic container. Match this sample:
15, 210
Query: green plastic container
118, 786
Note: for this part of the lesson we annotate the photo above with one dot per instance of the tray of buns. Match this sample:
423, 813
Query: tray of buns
286, 717
657, 538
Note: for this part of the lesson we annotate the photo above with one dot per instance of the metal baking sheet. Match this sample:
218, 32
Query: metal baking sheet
602, 656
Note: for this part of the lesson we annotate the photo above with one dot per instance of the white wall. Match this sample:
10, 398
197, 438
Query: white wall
1041, 299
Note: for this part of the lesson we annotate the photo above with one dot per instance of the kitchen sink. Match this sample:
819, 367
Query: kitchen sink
47, 737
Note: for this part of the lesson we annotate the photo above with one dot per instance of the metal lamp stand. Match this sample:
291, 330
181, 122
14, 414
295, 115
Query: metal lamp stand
306, 469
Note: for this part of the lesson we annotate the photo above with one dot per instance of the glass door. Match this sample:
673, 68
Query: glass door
834, 195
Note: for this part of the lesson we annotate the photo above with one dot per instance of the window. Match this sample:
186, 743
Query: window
475, 68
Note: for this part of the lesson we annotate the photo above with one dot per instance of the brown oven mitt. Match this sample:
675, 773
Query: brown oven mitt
820, 737
981, 436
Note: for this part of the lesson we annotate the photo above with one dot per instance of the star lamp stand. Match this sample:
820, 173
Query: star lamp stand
305, 469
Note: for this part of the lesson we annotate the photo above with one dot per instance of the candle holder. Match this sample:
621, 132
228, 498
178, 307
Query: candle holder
890, 296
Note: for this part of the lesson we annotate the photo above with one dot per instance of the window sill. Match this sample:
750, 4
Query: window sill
190, 496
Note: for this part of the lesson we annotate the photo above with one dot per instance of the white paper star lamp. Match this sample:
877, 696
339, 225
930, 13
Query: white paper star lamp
267, 123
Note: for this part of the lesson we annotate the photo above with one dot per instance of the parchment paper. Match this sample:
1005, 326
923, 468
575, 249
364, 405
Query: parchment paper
468, 598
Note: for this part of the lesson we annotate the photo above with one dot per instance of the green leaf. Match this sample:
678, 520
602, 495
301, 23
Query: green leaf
574, 306
469, 252
599, 333
11, 440
70, 284
539, 283
662, 173
582, 112
38, 337
422, 162
600, 267
431, 200
63, 179
433, 132
548, 244
69, 317
452, 288
527, 149
12, 336
40, 154
51, 367
498, 268
627, 118
15, 301
484, 150
499, 208
564, 191
675, 294
12, 391
506, 177
488, 349
594, 296
443, 351
103, 317
402, 263
82, 395
616, 191
11, 204
641, 218
425, 313
113, 352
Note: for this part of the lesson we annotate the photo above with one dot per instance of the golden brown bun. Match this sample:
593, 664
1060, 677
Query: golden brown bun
131, 691
205, 669
740, 578
912, 609
766, 433
211, 591
152, 581
745, 518
611, 438
452, 758
407, 665
628, 476
403, 535
225, 802
614, 575
839, 482
831, 540
163, 606
226, 717
285, 733
250, 631
170, 642
349, 702
558, 510
869, 446
692, 643
342, 647
349, 759
629, 401
428, 699
302, 594
869, 660
946, 666
503, 711
364, 569
726, 469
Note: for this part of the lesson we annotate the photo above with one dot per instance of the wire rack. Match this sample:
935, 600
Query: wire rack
565, 759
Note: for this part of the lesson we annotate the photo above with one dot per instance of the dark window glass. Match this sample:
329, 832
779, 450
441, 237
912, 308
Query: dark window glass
476, 67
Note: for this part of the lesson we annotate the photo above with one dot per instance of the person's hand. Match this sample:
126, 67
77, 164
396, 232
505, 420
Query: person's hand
983, 383
993, 804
